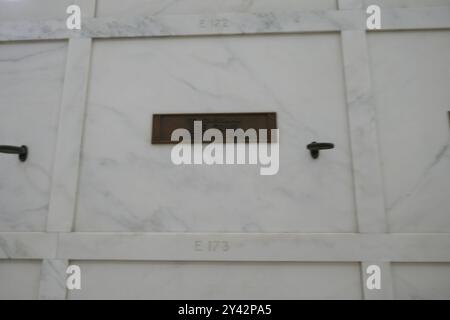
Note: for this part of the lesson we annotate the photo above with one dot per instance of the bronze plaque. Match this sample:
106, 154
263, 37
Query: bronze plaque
165, 124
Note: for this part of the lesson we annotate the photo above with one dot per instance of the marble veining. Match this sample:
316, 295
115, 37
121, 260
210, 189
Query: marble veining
127, 184
27, 245
52, 284
421, 281
117, 8
178, 25
31, 81
412, 112
225, 24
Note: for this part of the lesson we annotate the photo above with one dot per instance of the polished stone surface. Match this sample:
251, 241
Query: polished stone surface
381, 97
169, 280
118, 8
421, 281
19, 10
19, 279
127, 184
410, 76
31, 82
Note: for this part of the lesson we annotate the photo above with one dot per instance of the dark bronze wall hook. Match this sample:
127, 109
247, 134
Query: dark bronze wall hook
315, 147
21, 151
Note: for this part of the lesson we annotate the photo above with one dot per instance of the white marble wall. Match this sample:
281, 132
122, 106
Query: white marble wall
106, 8
421, 280
411, 72
31, 82
20, 10
19, 279
407, 3
127, 184
87, 112
216, 280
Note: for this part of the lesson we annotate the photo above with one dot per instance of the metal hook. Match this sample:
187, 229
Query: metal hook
315, 147
21, 151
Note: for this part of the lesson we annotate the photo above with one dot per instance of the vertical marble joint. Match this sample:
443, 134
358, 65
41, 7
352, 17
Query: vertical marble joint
64, 187
363, 134
367, 172
70, 132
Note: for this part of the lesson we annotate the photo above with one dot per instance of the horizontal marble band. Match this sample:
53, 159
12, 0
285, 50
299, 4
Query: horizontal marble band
28, 245
226, 24
340, 247
256, 247
183, 25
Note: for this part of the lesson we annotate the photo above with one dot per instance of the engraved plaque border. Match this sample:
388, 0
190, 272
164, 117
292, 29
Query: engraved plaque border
163, 124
